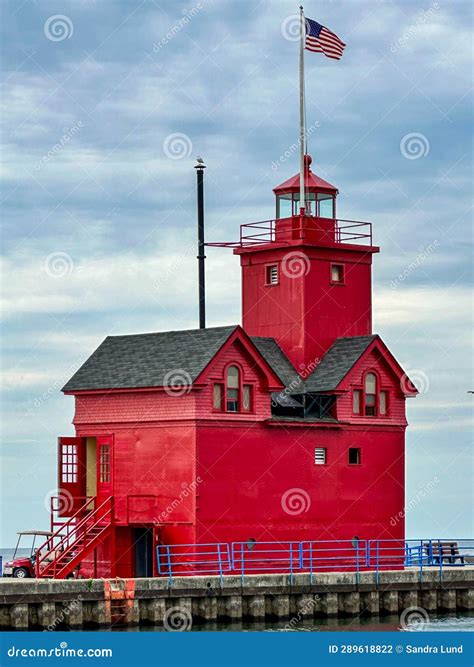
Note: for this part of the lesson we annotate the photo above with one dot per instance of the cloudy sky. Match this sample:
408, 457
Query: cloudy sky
99, 202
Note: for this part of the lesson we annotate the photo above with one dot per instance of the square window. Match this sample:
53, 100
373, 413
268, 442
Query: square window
320, 456
356, 401
354, 456
370, 405
383, 402
271, 274
232, 400
337, 274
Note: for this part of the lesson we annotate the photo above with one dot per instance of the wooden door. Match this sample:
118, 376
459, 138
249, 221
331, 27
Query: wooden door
71, 475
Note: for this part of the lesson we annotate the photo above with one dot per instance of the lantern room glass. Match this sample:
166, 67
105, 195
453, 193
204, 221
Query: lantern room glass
318, 204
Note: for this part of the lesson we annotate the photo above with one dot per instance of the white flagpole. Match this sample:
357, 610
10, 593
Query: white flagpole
302, 128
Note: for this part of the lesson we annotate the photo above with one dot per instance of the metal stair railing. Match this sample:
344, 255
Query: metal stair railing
58, 549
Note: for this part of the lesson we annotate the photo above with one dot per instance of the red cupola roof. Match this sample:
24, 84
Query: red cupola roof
312, 182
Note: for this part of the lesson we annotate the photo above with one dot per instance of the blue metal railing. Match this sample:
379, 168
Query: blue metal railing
193, 559
274, 557
312, 557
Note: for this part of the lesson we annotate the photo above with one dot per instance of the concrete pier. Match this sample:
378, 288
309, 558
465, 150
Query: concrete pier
54, 605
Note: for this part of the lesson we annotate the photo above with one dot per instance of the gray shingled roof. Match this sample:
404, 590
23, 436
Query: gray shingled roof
337, 362
144, 360
156, 359
275, 357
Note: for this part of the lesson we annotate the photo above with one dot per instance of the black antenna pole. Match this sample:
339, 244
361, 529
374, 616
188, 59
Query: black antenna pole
200, 166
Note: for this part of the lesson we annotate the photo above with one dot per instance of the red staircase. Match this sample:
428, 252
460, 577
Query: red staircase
75, 539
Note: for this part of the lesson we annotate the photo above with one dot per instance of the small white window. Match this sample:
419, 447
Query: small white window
271, 277
337, 273
320, 456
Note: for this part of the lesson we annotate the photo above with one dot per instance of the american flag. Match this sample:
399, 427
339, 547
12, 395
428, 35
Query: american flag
321, 40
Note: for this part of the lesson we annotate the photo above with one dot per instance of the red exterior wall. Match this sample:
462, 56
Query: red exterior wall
251, 467
305, 312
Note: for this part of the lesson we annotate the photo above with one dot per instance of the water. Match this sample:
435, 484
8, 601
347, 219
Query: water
460, 622
7, 554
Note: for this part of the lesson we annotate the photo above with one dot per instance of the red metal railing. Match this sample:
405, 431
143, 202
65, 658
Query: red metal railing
60, 503
301, 228
71, 542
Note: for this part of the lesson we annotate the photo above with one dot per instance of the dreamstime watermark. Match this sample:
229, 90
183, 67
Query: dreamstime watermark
64, 614
61, 651
63, 503
291, 150
291, 27
303, 611
295, 501
417, 262
177, 382
414, 618
295, 264
58, 27
415, 379
188, 15
68, 134
58, 264
177, 619
56, 385
419, 496
187, 490
177, 145
414, 145
422, 17
295, 386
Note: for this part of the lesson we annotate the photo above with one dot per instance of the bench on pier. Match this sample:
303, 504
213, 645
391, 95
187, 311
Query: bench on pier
444, 552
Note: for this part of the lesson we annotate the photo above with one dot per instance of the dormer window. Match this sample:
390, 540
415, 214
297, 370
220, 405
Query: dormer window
232, 395
370, 395
357, 401
232, 389
370, 401
218, 396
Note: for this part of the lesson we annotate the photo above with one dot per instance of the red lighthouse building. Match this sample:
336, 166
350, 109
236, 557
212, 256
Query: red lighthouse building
288, 427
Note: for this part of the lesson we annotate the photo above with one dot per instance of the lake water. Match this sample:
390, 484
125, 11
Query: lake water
462, 622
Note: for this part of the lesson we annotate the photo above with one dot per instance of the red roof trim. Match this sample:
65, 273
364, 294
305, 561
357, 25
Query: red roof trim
312, 181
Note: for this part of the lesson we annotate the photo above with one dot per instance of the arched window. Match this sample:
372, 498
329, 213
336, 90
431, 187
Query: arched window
233, 389
231, 393
370, 395
370, 399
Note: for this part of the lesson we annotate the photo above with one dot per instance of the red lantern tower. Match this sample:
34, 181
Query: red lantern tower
306, 277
